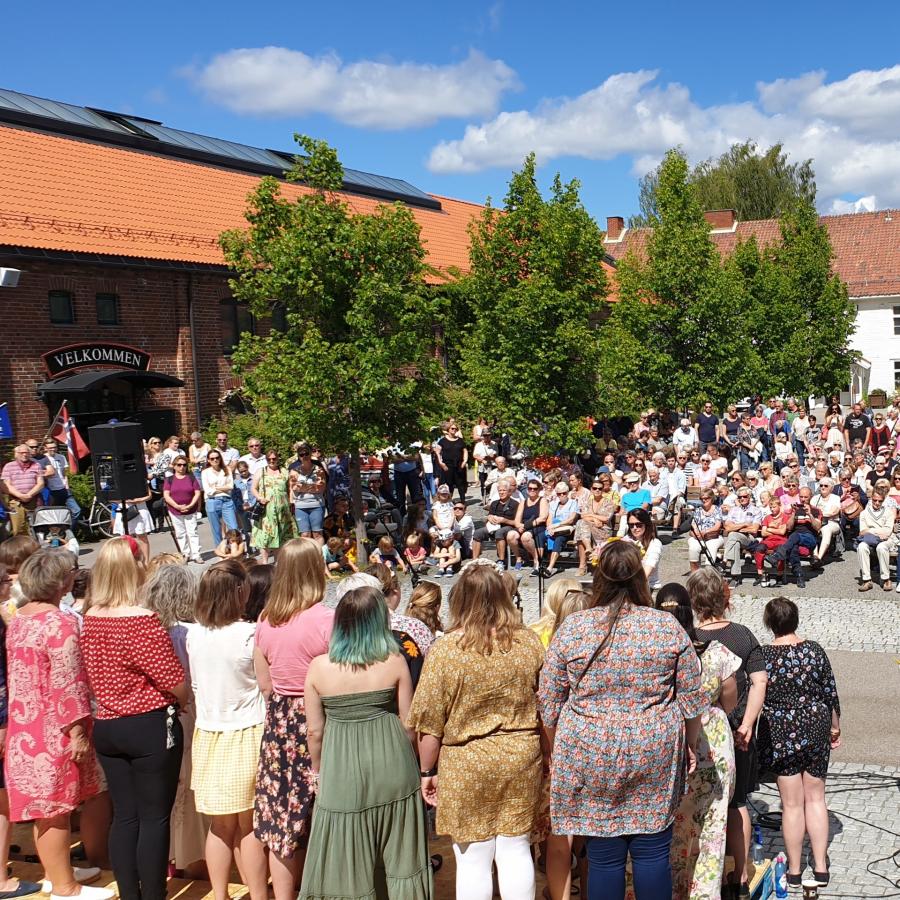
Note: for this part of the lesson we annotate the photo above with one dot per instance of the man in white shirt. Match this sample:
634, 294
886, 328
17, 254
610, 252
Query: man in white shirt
230, 455
685, 437
659, 493
255, 459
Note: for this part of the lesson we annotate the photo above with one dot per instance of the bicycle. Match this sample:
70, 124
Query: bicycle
99, 519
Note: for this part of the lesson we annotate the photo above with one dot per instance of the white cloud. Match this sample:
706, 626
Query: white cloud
276, 81
864, 204
848, 127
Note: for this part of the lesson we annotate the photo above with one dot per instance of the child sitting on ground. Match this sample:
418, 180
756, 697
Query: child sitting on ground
232, 545
425, 605
387, 554
415, 553
446, 554
336, 557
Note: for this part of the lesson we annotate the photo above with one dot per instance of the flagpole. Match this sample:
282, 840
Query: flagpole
53, 423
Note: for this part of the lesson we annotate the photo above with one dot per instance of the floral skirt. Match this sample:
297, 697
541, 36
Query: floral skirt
284, 781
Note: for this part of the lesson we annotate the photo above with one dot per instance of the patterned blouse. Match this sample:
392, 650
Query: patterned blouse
707, 520
619, 753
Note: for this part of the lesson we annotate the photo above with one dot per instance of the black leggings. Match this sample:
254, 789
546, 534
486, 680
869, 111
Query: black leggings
143, 778
455, 478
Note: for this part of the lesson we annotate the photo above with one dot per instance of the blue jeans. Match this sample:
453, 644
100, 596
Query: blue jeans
649, 860
309, 520
63, 497
217, 509
428, 484
790, 550
407, 480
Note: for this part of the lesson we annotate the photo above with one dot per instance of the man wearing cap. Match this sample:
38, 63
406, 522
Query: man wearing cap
742, 526
685, 437
635, 496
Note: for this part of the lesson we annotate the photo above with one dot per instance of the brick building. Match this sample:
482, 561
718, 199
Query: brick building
122, 307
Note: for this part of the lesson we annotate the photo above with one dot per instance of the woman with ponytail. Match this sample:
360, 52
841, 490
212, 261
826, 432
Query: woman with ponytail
620, 700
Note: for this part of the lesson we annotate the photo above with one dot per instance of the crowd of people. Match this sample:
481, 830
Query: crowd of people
230, 720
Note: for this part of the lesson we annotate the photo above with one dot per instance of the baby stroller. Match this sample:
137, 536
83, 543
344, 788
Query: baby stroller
51, 527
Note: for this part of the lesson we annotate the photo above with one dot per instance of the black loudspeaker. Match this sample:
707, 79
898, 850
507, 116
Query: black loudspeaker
118, 460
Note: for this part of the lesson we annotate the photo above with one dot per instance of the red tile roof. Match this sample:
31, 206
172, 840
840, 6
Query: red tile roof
66, 193
866, 247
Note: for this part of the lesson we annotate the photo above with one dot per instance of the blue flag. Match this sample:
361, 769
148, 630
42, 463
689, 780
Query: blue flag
5, 425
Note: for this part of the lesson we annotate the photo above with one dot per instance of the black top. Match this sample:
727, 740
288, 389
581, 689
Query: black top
856, 426
506, 509
452, 451
706, 427
531, 511
741, 642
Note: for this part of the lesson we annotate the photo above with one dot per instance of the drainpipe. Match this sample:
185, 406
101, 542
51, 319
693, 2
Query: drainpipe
193, 332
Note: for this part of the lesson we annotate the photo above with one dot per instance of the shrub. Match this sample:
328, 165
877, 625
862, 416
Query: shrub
243, 426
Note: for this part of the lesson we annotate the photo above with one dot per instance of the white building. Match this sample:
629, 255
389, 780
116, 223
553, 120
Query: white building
866, 256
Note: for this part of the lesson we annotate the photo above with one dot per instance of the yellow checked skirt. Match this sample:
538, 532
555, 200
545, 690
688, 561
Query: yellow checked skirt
224, 769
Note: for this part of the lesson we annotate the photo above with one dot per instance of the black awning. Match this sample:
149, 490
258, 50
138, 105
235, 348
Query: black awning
82, 382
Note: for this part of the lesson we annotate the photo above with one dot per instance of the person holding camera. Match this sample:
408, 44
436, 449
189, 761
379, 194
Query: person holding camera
804, 527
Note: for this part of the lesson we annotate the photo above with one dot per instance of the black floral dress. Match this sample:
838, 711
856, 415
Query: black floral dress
795, 727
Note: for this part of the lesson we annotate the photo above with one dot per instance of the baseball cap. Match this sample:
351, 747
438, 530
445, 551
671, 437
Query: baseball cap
444, 489
632, 476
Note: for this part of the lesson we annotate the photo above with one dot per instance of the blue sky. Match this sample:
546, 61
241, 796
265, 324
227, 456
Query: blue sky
451, 96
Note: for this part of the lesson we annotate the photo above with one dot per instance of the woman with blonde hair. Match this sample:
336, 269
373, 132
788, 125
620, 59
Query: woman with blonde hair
293, 629
559, 590
138, 685
621, 701
486, 740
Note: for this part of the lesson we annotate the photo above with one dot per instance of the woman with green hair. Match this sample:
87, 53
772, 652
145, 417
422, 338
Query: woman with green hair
368, 807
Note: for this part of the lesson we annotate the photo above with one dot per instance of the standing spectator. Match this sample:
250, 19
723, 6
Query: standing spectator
255, 458
171, 592
876, 527
485, 743
709, 599
229, 726
728, 429
698, 842
428, 484
57, 481
138, 685
140, 521
293, 629
169, 452
218, 493
230, 455
742, 526
308, 494
243, 498
452, 459
182, 495
800, 425
368, 802
276, 525
618, 775
484, 453
197, 451
24, 481
685, 436
408, 477
857, 426
799, 728
51, 767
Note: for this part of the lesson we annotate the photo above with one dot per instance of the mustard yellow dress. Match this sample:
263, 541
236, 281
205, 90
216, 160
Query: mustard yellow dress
483, 709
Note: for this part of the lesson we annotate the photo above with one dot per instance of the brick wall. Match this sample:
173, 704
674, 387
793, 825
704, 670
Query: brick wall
153, 309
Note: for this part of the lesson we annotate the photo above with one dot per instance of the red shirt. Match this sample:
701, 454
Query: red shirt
131, 664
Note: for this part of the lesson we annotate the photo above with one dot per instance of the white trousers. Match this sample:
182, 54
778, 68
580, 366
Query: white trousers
515, 868
185, 528
830, 530
883, 552
694, 550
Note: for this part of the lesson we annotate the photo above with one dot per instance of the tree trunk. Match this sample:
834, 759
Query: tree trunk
356, 506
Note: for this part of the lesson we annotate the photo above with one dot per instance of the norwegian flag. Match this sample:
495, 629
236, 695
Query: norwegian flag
65, 432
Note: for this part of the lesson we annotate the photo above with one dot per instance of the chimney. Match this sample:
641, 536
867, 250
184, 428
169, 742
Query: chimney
615, 225
721, 219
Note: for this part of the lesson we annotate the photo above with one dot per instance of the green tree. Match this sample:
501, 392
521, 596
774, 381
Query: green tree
531, 352
756, 184
676, 336
798, 312
355, 368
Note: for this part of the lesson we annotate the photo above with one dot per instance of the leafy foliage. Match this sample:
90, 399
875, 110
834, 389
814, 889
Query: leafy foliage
354, 367
757, 185
692, 326
241, 427
530, 354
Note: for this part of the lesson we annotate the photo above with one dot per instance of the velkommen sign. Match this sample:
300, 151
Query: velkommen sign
78, 356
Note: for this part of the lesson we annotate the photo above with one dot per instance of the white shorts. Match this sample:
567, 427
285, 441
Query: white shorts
142, 523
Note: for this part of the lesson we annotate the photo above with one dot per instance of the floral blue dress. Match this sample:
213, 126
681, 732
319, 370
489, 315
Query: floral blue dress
619, 755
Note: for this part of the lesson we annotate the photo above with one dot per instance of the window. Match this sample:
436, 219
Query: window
897, 373
62, 310
108, 309
235, 319
897, 320
279, 318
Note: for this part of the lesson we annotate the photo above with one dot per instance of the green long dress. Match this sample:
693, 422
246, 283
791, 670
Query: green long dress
277, 525
368, 834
